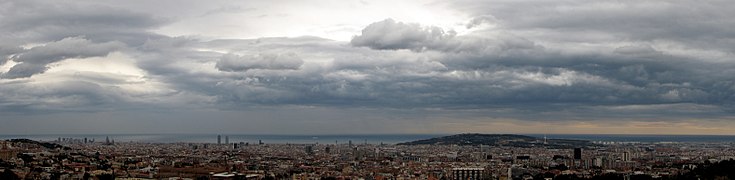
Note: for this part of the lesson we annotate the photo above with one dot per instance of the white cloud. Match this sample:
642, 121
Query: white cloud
389, 34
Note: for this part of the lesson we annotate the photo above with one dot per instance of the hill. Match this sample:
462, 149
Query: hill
499, 140
43, 144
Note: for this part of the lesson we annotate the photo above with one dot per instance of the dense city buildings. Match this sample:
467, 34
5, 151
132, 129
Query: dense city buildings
69, 158
468, 173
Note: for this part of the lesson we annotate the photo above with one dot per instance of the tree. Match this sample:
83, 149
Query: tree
9, 175
105, 177
608, 176
567, 177
641, 177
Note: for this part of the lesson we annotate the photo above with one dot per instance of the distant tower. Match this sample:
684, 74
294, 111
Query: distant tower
309, 149
349, 143
545, 140
219, 139
227, 139
577, 153
107, 140
85, 140
626, 156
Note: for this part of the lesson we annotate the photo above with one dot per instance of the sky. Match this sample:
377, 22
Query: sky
367, 67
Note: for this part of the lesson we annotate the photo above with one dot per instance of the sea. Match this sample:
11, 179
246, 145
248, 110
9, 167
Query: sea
355, 139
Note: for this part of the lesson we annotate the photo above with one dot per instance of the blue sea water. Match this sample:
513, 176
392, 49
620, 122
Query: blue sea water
235, 138
356, 139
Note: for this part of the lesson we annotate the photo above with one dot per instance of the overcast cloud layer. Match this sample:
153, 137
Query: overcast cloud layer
435, 67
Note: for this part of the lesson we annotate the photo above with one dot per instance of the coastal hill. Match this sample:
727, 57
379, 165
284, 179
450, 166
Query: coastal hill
514, 140
42, 144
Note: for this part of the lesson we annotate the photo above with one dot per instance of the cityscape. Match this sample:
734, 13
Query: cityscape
462, 156
367, 89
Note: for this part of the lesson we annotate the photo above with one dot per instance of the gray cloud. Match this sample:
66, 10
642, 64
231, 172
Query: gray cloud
65, 95
520, 76
558, 61
36, 59
389, 34
639, 50
285, 61
696, 24
476, 21
41, 22
7, 51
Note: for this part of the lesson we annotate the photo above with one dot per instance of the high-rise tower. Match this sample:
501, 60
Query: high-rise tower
577, 153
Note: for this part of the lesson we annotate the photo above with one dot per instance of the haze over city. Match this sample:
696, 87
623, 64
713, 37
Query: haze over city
367, 67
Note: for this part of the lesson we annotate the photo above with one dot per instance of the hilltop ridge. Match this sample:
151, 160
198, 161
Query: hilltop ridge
498, 140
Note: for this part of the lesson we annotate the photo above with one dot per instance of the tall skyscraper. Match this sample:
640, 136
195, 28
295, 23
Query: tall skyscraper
626, 156
219, 139
309, 149
577, 153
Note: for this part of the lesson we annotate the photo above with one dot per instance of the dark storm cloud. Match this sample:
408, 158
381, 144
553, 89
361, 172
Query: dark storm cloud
630, 76
511, 72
